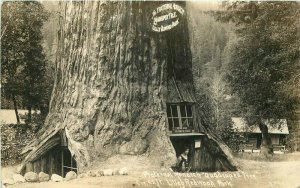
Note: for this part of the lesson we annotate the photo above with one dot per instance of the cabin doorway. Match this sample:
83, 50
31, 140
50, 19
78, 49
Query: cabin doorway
180, 144
68, 162
192, 141
58, 160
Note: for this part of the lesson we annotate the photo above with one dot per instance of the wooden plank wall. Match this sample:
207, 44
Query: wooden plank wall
49, 163
202, 160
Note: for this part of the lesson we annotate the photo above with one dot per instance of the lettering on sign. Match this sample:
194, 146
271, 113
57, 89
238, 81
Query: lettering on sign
198, 179
182, 130
166, 17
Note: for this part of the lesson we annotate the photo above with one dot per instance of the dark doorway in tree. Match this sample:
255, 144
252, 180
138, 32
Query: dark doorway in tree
57, 160
197, 156
180, 144
68, 162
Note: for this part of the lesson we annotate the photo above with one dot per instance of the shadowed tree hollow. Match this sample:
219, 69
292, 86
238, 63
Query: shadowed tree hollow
115, 79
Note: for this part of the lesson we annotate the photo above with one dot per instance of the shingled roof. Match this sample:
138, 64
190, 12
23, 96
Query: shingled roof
278, 126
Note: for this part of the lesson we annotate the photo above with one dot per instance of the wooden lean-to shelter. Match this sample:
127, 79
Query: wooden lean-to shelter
124, 86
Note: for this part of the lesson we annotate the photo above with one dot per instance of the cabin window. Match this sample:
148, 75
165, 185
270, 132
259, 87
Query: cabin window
180, 116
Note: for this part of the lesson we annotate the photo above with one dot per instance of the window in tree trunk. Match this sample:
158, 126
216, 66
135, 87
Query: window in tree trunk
180, 117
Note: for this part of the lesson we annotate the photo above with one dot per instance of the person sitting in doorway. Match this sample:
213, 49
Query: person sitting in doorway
182, 161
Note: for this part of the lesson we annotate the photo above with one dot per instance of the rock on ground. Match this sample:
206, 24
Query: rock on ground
18, 178
123, 171
8, 181
71, 175
56, 178
83, 175
115, 171
108, 172
91, 174
99, 173
43, 176
31, 177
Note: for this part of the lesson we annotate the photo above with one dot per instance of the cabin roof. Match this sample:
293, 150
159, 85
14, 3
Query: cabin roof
179, 91
274, 126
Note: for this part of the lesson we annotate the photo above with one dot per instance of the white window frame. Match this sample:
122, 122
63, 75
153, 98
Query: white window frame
180, 116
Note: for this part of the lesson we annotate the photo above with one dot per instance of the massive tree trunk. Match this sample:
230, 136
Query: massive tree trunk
113, 79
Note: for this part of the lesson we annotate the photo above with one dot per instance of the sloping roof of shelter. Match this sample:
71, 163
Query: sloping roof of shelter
278, 126
179, 91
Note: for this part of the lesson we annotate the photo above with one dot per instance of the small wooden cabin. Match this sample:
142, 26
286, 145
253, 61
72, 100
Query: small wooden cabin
183, 133
186, 130
53, 158
277, 129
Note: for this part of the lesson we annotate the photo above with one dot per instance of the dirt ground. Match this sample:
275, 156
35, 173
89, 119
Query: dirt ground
252, 174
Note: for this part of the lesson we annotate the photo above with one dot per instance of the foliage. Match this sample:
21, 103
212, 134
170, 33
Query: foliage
247, 64
36, 121
265, 57
23, 60
265, 62
13, 139
293, 141
211, 46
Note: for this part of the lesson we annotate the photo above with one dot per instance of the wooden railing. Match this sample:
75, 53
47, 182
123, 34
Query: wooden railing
279, 148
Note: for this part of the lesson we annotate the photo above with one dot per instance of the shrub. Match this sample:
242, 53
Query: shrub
14, 137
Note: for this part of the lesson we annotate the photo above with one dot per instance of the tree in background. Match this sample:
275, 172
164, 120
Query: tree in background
23, 60
211, 44
264, 60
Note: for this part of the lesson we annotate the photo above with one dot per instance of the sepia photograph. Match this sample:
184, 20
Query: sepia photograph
150, 94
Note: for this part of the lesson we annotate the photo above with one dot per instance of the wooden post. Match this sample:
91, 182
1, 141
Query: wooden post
37, 167
71, 161
62, 163
29, 167
195, 129
51, 163
42, 168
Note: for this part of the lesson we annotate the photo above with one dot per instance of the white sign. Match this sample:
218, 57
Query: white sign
166, 17
197, 143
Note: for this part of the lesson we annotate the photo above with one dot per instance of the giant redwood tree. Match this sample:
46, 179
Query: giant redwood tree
115, 73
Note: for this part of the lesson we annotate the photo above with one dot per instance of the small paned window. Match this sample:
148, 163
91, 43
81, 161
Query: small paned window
180, 116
